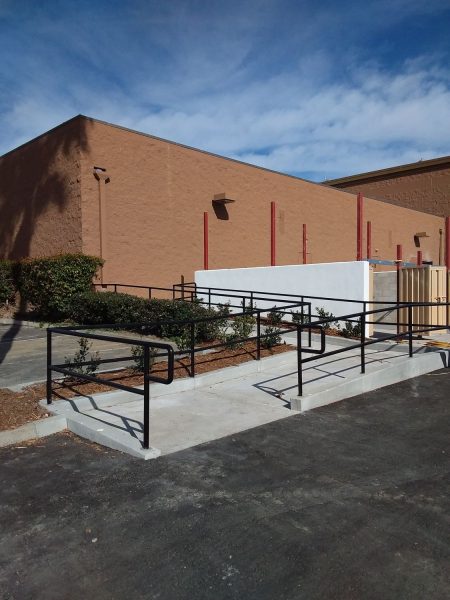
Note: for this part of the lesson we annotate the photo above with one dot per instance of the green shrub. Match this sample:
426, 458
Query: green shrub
94, 308
352, 329
272, 330
152, 316
241, 328
50, 283
323, 314
138, 358
81, 356
298, 318
7, 287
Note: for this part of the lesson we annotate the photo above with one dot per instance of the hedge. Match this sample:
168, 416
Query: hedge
93, 308
7, 287
50, 283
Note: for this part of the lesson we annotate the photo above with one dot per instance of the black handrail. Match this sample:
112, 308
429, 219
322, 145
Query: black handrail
147, 376
363, 317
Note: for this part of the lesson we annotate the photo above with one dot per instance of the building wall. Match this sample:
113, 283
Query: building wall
427, 190
345, 280
40, 195
158, 192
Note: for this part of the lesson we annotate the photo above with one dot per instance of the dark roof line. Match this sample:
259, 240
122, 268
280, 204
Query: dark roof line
421, 164
134, 131
180, 145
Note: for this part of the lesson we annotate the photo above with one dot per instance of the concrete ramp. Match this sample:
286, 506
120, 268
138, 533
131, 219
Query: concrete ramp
218, 404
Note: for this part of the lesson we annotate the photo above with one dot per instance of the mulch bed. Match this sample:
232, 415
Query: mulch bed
18, 408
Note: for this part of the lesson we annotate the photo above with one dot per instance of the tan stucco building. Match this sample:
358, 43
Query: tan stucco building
139, 202
423, 185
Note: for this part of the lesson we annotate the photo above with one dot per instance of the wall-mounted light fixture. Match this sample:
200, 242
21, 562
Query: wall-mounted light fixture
417, 236
219, 203
222, 199
100, 174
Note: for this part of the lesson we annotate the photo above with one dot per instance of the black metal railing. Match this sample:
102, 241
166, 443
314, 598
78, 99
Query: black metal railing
245, 301
149, 348
411, 328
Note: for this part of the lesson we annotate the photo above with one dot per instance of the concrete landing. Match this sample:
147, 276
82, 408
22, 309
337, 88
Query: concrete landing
214, 405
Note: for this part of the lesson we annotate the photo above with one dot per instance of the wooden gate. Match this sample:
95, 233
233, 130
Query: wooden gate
424, 284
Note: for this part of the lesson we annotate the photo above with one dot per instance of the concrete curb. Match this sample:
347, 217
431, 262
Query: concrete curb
123, 441
420, 364
31, 324
30, 431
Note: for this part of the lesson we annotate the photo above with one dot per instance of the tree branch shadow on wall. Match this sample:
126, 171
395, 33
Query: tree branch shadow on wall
33, 179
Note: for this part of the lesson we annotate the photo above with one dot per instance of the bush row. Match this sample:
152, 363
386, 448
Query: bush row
48, 284
92, 308
7, 284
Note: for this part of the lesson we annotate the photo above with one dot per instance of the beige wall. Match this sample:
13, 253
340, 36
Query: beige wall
152, 208
158, 192
40, 195
427, 190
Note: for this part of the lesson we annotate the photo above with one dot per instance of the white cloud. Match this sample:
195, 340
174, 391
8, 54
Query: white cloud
297, 104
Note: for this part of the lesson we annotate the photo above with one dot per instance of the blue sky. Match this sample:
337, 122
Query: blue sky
318, 89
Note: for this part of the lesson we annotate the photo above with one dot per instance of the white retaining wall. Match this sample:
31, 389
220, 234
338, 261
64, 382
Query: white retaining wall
349, 280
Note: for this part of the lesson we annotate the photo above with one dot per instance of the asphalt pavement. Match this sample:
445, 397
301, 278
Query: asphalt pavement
23, 353
350, 501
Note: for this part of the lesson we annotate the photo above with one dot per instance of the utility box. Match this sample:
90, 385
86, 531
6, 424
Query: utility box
424, 284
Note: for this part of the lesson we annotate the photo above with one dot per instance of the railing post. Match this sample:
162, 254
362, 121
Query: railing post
115, 288
192, 349
362, 338
399, 264
209, 297
410, 337
251, 299
49, 366
146, 398
299, 360
258, 336
309, 329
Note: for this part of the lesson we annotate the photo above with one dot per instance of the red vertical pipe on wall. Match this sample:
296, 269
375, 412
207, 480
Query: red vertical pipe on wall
399, 256
447, 243
304, 243
359, 225
419, 258
272, 234
205, 241
369, 240
447, 263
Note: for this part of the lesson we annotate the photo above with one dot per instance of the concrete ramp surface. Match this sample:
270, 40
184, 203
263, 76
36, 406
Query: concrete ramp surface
224, 402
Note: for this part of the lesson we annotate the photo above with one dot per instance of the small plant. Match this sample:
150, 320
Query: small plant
352, 329
325, 315
82, 356
138, 358
272, 335
223, 323
183, 340
233, 330
241, 328
298, 318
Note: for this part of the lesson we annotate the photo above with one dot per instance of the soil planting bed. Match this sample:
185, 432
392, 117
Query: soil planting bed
18, 408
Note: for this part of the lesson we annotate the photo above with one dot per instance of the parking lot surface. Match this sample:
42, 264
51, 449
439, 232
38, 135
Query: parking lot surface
350, 501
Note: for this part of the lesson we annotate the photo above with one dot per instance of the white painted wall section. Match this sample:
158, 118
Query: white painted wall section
348, 280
